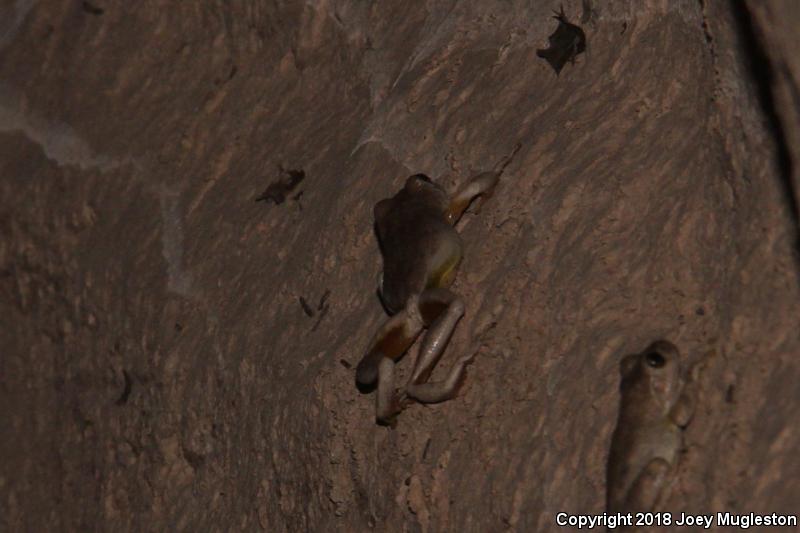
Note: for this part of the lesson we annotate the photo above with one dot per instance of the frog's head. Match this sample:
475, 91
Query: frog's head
656, 370
421, 182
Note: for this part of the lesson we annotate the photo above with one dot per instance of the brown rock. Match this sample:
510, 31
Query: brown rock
650, 183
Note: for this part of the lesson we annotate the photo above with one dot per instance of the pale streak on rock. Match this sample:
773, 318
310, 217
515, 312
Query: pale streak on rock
59, 141
179, 280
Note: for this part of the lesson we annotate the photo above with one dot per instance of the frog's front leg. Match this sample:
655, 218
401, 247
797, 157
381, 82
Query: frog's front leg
683, 410
482, 184
377, 367
441, 310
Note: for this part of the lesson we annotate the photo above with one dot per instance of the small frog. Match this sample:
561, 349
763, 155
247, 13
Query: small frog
654, 410
421, 252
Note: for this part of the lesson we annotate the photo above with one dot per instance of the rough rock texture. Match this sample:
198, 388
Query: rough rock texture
158, 372
774, 28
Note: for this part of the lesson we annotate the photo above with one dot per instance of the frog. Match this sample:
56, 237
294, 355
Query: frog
421, 251
655, 408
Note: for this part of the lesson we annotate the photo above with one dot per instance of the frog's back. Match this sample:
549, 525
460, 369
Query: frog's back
632, 449
419, 247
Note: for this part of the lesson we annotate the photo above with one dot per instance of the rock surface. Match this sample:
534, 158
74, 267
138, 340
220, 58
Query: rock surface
159, 372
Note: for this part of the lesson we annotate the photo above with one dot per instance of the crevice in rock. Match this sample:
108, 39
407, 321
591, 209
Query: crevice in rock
763, 74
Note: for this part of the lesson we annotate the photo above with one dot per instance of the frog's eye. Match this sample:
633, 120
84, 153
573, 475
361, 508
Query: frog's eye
655, 359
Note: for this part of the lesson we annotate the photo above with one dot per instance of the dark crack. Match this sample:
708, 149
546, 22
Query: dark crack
763, 73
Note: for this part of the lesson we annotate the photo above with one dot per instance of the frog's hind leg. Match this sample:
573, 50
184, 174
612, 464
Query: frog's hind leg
441, 310
377, 367
391, 341
645, 491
